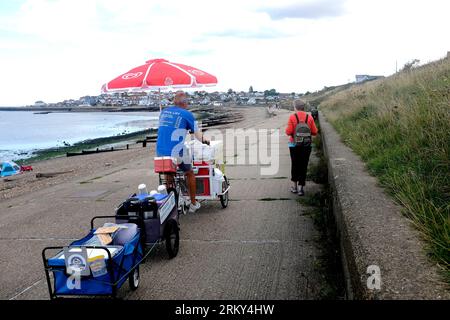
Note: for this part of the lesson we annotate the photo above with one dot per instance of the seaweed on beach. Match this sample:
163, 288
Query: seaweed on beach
209, 117
84, 145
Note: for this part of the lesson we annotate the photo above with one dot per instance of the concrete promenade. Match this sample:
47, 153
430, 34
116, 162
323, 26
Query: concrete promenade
263, 246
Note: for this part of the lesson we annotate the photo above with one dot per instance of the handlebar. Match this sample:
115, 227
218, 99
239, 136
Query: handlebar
44, 251
115, 216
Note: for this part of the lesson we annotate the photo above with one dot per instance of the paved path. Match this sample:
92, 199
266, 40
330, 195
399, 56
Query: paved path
263, 246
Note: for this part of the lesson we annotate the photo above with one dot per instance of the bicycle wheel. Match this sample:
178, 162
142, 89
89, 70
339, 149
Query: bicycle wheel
224, 199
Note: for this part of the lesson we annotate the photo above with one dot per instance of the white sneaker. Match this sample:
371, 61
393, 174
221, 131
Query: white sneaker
194, 207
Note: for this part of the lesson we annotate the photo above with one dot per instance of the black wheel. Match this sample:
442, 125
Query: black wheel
134, 279
224, 199
172, 238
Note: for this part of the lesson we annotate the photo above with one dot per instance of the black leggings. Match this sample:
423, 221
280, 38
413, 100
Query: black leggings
299, 163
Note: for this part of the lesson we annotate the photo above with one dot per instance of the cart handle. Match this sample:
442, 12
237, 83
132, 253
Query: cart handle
115, 216
44, 256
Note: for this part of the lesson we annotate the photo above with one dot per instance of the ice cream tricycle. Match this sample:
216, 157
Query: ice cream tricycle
208, 167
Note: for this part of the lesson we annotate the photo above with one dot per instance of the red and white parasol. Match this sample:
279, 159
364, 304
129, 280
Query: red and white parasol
160, 74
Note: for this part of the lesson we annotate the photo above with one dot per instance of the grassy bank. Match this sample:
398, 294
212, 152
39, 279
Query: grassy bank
84, 145
400, 126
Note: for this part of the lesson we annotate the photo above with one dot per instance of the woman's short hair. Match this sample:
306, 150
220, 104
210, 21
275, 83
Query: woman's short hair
300, 105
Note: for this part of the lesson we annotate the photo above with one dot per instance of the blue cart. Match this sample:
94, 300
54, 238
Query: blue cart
82, 269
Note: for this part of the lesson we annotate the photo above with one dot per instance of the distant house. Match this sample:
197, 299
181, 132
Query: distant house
251, 101
144, 102
89, 101
206, 101
165, 102
40, 104
364, 77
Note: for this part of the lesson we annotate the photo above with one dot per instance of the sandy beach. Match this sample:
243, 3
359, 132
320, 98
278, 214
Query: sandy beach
74, 168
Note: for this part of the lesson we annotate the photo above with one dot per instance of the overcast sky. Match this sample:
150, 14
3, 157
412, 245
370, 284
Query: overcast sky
53, 50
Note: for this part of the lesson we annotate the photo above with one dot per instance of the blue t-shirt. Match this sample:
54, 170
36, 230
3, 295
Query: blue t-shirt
174, 123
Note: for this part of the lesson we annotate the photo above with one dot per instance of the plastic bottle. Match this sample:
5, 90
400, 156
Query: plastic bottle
162, 189
142, 189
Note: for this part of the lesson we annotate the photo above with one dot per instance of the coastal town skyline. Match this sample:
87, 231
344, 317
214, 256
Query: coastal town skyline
53, 50
165, 98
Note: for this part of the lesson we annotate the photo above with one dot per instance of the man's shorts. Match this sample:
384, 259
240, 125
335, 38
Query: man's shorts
185, 167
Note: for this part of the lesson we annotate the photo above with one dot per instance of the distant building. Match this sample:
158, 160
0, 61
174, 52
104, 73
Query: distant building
40, 104
364, 77
251, 101
89, 100
165, 102
206, 101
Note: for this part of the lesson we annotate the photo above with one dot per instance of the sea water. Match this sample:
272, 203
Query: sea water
24, 132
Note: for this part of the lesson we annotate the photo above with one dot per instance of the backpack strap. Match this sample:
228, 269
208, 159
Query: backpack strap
298, 121
306, 121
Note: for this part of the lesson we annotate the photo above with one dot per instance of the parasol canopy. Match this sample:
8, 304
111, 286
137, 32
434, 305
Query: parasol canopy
159, 74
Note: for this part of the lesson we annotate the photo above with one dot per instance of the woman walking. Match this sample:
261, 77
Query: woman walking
300, 129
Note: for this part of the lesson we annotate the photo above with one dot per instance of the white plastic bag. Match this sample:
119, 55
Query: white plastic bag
218, 180
203, 152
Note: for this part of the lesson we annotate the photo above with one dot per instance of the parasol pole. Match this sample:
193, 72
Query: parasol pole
159, 98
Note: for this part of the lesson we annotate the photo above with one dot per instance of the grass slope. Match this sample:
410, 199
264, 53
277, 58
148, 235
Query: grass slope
400, 126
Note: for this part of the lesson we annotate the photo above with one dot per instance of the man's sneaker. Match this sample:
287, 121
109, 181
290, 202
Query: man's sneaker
194, 207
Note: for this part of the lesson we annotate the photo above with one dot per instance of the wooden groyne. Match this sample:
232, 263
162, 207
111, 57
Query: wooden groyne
85, 152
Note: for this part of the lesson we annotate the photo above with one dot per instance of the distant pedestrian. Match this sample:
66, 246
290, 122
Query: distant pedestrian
300, 129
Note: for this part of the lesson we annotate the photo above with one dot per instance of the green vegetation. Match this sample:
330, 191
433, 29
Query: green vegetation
318, 172
83, 145
400, 126
319, 209
271, 92
329, 262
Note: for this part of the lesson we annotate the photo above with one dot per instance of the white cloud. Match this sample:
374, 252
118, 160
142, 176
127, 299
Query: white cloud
58, 49
306, 10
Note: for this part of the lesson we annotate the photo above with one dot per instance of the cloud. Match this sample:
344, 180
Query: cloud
307, 10
196, 52
263, 33
73, 47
